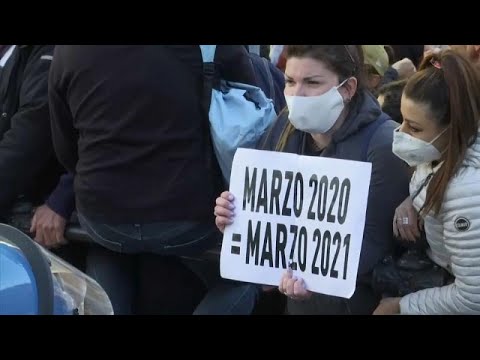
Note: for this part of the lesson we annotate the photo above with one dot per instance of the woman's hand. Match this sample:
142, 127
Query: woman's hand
388, 306
293, 287
224, 210
405, 221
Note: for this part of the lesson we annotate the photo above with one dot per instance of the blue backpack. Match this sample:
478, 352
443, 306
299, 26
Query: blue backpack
239, 114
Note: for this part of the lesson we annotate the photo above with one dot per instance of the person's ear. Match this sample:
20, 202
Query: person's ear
349, 89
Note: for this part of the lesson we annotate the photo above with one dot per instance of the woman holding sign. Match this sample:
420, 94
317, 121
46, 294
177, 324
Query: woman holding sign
331, 114
440, 137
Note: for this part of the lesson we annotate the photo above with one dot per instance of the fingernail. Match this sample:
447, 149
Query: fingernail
231, 206
230, 197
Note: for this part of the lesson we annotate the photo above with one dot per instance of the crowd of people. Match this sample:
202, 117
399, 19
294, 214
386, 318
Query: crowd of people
114, 136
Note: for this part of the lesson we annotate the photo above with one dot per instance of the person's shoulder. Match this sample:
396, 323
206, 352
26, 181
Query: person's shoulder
274, 132
34, 53
227, 53
464, 184
65, 53
35, 49
101, 51
383, 136
467, 177
34, 62
380, 150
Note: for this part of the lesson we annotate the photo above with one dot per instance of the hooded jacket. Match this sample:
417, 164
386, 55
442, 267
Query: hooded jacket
390, 178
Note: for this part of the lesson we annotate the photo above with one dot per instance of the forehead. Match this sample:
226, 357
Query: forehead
306, 67
416, 112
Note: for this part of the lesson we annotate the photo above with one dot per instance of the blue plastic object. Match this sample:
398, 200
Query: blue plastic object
18, 286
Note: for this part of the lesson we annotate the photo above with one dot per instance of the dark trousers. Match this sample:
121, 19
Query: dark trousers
140, 268
145, 284
234, 298
363, 302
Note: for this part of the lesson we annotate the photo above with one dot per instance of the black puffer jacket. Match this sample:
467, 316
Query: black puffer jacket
27, 161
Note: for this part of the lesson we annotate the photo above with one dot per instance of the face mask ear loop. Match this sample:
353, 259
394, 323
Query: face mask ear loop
347, 100
342, 83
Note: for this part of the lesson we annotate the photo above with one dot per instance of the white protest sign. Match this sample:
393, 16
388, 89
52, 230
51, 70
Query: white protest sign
309, 211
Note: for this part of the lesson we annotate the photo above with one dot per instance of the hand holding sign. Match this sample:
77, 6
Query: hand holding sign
293, 286
290, 285
307, 210
224, 210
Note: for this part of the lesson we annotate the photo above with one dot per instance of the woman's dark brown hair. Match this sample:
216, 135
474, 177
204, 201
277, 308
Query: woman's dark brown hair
449, 85
344, 60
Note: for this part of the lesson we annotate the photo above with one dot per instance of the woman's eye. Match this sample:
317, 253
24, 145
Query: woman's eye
289, 82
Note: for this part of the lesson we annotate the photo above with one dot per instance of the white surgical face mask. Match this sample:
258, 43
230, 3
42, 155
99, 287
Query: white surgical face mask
316, 114
415, 151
